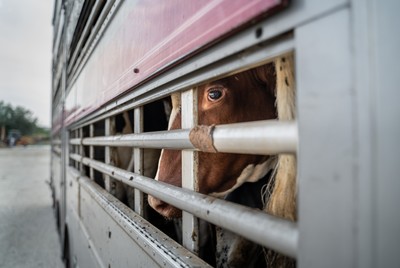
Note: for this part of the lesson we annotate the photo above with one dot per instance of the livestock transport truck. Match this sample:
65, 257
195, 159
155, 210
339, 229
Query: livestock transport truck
327, 193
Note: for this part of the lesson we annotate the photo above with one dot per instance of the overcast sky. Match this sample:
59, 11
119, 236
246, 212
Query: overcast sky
25, 55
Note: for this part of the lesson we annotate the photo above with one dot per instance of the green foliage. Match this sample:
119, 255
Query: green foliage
18, 118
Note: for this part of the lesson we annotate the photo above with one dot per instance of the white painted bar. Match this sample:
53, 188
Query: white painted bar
138, 159
190, 226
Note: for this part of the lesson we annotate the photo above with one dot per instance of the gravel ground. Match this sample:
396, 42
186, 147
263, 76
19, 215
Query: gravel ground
28, 236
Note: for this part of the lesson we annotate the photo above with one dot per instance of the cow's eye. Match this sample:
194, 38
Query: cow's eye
215, 94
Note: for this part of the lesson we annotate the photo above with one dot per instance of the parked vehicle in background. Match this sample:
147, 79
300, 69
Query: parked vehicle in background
13, 137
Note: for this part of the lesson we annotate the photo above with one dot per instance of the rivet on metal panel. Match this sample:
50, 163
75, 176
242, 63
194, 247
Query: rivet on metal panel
259, 32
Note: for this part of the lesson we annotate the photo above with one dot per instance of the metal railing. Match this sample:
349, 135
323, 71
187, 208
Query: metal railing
259, 227
258, 137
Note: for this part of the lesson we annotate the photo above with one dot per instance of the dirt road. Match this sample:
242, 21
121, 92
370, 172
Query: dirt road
28, 236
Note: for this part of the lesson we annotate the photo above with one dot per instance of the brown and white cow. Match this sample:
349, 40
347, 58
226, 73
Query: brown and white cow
266, 92
245, 96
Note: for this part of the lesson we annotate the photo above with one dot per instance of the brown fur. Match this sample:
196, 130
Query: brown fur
244, 98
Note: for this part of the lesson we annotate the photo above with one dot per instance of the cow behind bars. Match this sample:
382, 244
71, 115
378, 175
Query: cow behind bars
266, 92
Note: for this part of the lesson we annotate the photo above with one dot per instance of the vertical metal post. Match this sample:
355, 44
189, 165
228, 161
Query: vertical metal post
65, 147
77, 149
107, 151
91, 150
327, 236
138, 158
376, 92
81, 151
190, 226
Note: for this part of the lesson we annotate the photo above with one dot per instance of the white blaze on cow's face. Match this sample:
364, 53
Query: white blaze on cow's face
176, 108
242, 97
169, 165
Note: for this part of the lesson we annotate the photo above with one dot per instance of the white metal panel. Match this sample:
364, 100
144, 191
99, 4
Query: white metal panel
326, 149
115, 247
80, 245
385, 81
123, 238
72, 193
366, 123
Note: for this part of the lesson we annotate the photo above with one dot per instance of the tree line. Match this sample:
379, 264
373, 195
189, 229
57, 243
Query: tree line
19, 118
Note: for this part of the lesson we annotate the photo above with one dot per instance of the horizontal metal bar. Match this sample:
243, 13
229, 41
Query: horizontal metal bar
76, 141
76, 157
173, 139
259, 227
258, 137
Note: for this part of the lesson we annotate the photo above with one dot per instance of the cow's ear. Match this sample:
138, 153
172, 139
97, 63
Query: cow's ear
266, 75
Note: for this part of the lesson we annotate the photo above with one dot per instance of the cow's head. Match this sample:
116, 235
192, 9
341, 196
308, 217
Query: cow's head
245, 96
